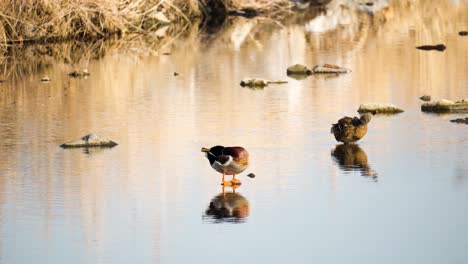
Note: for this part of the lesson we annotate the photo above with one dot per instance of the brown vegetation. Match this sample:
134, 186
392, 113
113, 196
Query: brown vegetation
51, 20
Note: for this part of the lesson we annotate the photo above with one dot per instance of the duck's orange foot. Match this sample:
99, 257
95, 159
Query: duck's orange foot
236, 182
227, 183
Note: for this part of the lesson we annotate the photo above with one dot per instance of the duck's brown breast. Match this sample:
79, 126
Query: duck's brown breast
239, 154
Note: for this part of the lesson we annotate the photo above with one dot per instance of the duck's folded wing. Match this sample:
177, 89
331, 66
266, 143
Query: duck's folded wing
239, 154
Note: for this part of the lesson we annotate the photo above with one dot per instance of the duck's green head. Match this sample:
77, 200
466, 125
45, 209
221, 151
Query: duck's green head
213, 152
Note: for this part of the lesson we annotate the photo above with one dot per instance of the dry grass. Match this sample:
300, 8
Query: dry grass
51, 20
42, 20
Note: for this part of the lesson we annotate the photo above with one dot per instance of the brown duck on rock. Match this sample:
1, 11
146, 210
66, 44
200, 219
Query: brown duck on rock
349, 130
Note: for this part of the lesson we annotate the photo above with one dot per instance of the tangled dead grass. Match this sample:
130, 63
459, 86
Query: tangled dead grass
52, 20
45, 20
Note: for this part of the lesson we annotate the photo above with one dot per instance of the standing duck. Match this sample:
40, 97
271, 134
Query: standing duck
349, 129
228, 160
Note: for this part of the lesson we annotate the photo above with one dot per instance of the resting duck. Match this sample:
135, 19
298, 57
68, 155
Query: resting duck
349, 129
228, 160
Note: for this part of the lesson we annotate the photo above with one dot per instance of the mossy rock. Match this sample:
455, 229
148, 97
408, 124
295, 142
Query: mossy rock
298, 69
250, 82
445, 106
379, 108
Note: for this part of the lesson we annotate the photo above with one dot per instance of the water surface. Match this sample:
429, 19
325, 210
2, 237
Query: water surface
399, 196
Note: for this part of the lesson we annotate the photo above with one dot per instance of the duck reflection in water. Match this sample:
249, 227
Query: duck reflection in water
351, 157
229, 207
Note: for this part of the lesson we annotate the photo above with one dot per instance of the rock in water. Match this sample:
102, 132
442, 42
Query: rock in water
438, 47
298, 69
445, 106
251, 175
379, 108
91, 140
258, 83
425, 97
458, 120
329, 68
249, 82
463, 33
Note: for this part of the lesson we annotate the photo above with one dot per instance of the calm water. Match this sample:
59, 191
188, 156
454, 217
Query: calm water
399, 196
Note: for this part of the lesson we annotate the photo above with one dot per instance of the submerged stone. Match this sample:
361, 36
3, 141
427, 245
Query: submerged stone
460, 120
298, 69
249, 82
91, 140
379, 108
438, 47
425, 97
258, 83
445, 105
329, 68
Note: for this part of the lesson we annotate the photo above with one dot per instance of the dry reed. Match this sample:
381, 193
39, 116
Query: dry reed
51, 20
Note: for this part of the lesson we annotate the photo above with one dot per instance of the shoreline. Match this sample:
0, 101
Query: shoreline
55, 21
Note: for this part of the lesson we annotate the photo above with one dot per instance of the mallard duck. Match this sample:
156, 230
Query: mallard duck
349, 129
227, 160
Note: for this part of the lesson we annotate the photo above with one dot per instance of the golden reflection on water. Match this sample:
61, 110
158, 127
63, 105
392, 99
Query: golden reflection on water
160, 121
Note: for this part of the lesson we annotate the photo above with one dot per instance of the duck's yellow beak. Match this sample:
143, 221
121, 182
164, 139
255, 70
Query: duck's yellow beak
205, 150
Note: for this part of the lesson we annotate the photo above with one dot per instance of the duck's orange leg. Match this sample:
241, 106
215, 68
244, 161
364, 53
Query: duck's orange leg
225, 183
234, 180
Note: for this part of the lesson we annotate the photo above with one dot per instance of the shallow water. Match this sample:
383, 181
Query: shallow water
399, 196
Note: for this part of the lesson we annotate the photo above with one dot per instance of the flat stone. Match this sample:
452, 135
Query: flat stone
298, 69
379, 108
91, 140
329, 68
445, 105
